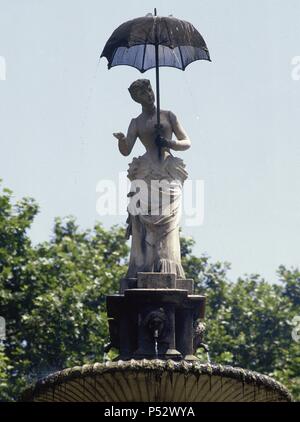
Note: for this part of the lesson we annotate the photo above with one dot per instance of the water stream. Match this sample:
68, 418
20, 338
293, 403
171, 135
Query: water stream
156, 344
156, 348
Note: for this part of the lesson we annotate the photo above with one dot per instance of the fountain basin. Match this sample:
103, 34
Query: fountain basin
156, 381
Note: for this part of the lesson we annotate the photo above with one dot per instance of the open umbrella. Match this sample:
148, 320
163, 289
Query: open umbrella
154, 41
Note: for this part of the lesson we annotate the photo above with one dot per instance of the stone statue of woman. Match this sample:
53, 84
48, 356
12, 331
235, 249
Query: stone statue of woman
154, 229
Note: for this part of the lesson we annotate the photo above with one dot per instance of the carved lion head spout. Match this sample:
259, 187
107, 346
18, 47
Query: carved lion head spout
155, 321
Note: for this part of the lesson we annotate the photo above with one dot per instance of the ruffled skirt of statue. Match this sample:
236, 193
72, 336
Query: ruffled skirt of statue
154, 213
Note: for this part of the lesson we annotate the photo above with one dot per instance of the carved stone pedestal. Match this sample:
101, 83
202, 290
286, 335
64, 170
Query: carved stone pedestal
154, 316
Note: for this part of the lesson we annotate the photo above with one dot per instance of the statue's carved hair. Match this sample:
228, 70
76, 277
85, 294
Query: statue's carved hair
137, 85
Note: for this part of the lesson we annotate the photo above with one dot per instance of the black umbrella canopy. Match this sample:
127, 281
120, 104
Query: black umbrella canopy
134, 43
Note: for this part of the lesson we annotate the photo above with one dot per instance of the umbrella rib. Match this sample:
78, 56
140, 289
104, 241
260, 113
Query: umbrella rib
113, 56
179, 48
144, 54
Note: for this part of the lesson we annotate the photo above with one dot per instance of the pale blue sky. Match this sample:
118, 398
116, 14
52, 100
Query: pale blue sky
58, 108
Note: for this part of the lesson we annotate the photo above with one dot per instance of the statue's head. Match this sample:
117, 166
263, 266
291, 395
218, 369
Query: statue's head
141, 92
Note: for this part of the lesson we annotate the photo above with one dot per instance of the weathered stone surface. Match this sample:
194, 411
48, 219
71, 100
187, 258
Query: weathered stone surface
157, 281
156, 381
127, 283
154, 316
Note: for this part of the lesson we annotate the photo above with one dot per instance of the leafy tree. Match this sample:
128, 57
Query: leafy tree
4, 368
248, 322
53, 295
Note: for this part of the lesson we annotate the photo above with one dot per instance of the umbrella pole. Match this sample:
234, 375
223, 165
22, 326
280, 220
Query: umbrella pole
157, 97
157, 87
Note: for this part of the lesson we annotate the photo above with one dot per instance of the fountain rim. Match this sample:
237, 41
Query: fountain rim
192, 368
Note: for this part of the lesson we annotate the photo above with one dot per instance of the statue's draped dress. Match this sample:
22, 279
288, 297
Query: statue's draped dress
155, 228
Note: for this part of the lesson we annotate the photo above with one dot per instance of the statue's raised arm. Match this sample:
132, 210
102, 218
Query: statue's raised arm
126, 143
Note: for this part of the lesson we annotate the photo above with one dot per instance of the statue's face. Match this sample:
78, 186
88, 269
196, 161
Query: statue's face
145, 95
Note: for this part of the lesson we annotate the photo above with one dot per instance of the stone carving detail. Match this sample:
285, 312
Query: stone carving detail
199, 331
148, 320
156, 322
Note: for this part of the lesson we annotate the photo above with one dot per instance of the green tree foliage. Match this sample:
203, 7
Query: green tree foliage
248, 322
52, 296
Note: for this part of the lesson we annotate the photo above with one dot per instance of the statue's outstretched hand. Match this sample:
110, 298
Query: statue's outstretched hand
120, 136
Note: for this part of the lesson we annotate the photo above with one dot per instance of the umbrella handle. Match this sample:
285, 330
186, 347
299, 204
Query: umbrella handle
157, 141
